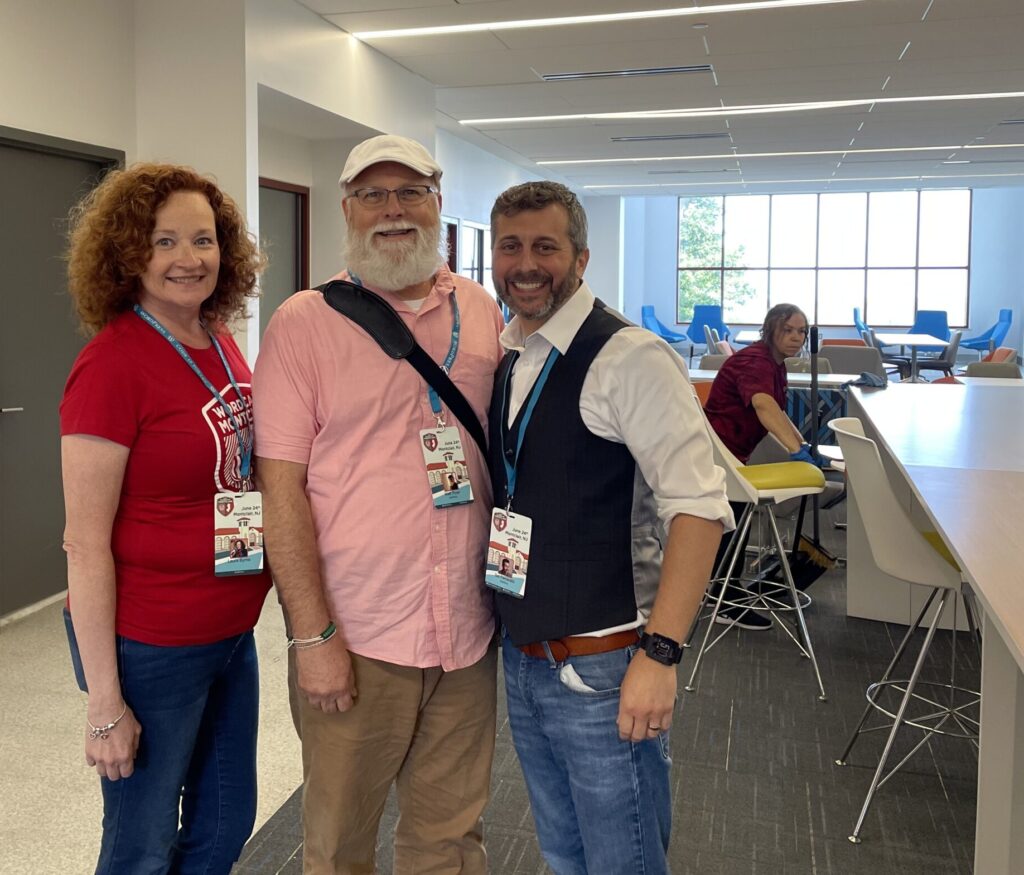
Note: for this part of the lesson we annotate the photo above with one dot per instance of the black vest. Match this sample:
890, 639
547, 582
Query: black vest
577, 489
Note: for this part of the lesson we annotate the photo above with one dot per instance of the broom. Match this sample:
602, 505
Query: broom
808, 559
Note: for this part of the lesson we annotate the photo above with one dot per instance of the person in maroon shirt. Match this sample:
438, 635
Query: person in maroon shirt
747, 402
749, 393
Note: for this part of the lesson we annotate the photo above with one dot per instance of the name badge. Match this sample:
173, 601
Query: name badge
447, 471
508, 552
237, 533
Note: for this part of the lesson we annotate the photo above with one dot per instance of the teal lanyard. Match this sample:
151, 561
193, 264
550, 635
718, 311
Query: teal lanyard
245, 448
531, 403
453, 350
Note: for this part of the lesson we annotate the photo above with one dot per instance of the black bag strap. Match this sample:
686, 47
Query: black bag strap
379, 319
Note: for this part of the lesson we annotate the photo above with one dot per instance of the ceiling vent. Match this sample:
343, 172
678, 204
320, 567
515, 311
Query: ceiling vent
638, 71
677, 172
657, 138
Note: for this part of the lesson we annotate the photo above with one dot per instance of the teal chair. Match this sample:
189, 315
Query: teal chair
993, 337
933, 322
653, 323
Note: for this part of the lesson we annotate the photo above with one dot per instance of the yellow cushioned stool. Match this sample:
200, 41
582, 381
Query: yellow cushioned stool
759, 487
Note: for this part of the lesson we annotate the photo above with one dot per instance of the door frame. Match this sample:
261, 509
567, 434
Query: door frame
303, 192
46, 144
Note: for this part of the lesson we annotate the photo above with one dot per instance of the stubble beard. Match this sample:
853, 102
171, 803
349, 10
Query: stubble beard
397, 265
556, 298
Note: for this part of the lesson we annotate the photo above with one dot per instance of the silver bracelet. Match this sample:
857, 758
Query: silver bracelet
103, 732
322, 638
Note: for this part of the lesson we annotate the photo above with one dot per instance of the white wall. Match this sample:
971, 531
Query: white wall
473, 178
67, 70
296, 52
605, 238
285, 157
997, 260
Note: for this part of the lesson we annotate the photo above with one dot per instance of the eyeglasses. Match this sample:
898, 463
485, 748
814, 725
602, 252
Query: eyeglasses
408, 195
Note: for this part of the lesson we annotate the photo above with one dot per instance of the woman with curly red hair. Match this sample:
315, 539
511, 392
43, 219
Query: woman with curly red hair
156, 427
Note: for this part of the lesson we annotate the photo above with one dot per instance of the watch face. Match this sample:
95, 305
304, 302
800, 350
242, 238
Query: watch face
662, 649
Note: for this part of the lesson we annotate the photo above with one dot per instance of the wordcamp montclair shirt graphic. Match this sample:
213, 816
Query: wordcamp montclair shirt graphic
228, 473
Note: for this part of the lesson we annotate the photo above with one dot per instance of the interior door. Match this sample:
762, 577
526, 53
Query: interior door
38, 343
284, 238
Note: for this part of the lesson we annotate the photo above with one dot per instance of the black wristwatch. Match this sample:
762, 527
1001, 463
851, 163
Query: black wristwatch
661, 649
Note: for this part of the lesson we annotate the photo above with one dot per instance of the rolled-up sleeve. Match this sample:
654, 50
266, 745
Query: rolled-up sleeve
637, 393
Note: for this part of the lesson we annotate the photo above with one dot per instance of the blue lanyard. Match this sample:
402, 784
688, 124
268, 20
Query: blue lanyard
531, 402
244, 448
453, 351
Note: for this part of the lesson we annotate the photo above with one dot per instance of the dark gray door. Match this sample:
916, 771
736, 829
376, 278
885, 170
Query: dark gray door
282, 238
38, 343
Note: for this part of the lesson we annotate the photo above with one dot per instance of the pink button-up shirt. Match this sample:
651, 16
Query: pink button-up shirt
404, 579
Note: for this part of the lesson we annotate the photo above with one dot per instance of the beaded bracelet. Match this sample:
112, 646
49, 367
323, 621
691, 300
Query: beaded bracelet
322, 638
103, 732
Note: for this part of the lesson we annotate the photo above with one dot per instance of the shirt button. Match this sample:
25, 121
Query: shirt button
437, 569
510, 454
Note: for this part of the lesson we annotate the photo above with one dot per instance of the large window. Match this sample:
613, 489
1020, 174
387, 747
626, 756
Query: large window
888, 253
475, 254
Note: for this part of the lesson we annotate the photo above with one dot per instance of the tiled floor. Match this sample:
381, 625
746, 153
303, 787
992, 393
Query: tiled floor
755, 787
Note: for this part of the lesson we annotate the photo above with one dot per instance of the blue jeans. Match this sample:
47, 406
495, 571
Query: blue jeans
198, 708
601, 805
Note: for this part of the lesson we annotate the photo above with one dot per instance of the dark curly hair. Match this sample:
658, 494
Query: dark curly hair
536, 196
110, 246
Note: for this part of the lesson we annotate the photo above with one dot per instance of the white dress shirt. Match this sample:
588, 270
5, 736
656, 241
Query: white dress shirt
636, 393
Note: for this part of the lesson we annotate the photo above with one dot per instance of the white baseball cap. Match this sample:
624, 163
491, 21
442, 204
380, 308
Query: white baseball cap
389, 147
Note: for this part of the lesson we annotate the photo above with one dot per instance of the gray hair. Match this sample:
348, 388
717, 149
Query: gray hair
536, 196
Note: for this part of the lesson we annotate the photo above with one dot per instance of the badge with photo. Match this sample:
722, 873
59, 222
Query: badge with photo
237, 533
508, 552
447, 471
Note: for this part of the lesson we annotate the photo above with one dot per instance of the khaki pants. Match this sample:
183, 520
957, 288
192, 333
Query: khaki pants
430, 731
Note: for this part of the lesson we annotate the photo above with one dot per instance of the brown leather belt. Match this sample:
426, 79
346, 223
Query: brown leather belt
581, 645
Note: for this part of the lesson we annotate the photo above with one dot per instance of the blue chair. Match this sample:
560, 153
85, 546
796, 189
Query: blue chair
858, 322
933, 322
993, 337
653, 323
711, 316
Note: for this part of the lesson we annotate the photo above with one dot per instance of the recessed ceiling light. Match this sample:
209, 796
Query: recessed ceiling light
843, 180
591, 19
751, 155
751, 109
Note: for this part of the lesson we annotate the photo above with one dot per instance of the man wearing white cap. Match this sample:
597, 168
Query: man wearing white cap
380, 569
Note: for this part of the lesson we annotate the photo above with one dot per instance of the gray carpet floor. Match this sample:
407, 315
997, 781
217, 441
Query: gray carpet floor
755, 787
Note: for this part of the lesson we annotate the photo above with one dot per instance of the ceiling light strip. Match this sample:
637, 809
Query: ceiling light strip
604, 18
751, 109
748, 155
802, 181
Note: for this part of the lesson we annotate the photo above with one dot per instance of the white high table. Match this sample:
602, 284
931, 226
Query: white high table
830, 382
958, 452
913, 341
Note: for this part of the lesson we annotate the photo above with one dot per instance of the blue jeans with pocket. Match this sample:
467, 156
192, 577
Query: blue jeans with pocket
601, 805
189, 806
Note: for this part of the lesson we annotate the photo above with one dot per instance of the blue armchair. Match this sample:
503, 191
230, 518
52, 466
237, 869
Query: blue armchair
993, 337
653, 323
709, 315
933, 322
859, 322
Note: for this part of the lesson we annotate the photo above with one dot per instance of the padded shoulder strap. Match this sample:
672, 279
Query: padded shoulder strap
370, 311
379, 319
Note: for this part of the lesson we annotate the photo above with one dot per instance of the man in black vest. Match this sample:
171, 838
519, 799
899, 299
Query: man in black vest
584, 406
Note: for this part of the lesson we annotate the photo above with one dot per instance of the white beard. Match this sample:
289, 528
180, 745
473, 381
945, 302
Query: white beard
397, 265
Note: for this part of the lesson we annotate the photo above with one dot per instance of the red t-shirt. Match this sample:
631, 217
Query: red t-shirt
751, 371
130, 386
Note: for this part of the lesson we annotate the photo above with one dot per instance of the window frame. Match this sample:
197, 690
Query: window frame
721, 267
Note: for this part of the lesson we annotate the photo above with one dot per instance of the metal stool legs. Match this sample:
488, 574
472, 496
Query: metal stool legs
942, 714
803, 642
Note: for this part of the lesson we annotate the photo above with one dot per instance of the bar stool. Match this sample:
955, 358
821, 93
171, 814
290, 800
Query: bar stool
759, 487
922, 558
